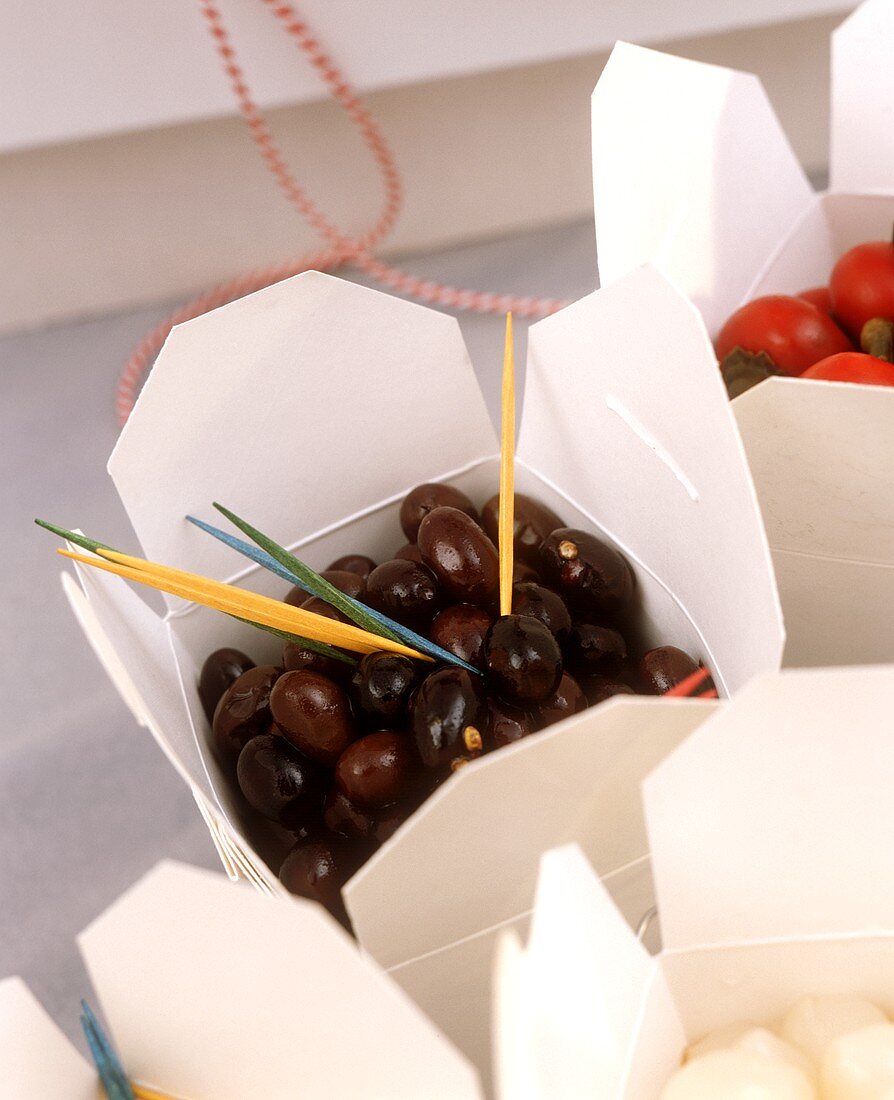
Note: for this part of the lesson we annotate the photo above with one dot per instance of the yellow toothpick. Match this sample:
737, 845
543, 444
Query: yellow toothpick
246, 605
507, 473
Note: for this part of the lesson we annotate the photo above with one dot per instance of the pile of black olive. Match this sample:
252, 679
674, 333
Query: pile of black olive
341, 753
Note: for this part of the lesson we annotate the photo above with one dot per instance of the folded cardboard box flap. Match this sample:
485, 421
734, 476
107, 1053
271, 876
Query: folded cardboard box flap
239, 996
779, 808
134, 645
297, 406
652, 454
691, 169
38, 1062
824, 472
862, 152
566, 1007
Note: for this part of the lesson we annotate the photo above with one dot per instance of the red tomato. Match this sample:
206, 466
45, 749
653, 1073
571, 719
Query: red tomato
794, 333
818, 296
853, 366
862, 285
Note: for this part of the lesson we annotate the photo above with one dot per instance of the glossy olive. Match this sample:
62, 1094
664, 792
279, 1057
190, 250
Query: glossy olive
523, 659
314, 713
460, 629
409, 552
460, 555
390, 820
542, 603
221, 668
595, 649
317, 869
592, 576
344, 818
532, 522
376, 770
278, 781
506, 723
320, 607
599, 688
404, 591
522, 572
382, 685
243, 710
296, 657
353, 563
421, 500
446, 716
567, 699
663, 668
352, 584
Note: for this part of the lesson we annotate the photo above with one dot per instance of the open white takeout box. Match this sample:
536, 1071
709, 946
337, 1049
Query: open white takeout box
311, 408
216, 993
770, 832
691, 170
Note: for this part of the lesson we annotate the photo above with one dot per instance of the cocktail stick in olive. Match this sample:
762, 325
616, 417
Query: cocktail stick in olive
352, 584
296, 657
523, 659
533, 521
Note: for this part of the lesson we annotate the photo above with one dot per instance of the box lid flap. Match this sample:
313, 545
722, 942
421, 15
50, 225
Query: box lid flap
38, 1061
567, 1006
241, 995
861, 156
775, 818
297, 406
134, 646
678, 497
822, 461
468, 858
691, 169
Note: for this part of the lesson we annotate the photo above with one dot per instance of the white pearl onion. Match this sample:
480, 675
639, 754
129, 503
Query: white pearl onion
813, 1022
860, 1065
738, 1075
753, 1040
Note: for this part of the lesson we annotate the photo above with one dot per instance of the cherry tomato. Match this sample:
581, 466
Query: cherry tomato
853, 366
794, 333
862, 285
818, 296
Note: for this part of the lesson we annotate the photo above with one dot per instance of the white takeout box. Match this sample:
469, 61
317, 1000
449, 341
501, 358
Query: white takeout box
311, 408
216, 993
770, 832
691, 170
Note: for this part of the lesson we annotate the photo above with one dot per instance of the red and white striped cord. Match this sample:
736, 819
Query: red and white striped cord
339, 249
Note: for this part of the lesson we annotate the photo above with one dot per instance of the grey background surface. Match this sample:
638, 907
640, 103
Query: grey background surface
87, 801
